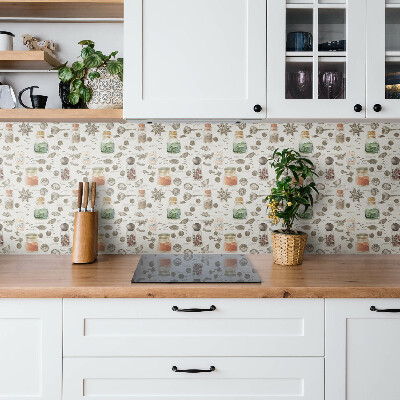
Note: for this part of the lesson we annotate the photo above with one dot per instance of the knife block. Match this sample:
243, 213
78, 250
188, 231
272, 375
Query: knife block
84, 247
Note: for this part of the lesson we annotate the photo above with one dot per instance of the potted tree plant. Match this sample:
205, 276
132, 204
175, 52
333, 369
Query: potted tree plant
95, 80
294, 188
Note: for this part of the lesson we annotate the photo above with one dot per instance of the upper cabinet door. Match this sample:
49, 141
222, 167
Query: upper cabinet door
197, 59
316, 58
383, 59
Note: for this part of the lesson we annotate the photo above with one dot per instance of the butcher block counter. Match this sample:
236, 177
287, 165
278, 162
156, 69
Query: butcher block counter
320, 276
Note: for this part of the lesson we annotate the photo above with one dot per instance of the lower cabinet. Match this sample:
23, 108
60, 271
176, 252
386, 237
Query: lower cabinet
222, 378
30, 349
362, 349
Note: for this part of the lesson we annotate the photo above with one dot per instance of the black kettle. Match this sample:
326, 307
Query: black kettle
38, 101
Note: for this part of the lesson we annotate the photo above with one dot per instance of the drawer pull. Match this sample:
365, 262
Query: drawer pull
175, 308
193, 371
393, 310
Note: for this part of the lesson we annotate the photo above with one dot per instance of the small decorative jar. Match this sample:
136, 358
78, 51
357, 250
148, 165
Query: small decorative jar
263, 171
130, 235
395, 235
173, 144
330, 169
19, 157
142, 133
142, 200
362, 244
164, 242
197, 172
76, 137
87, 158
98, 176
395, 169
230, 244
207, 138
305, 145
9, 203
31, 242
371, 145
219, 158
230, 178
197, 238
74, 202
207, 200
362, 176
239, 211
31, 176
130, 169
107, 145
153, 224
263, 235
351, 224
339, 133
40, 212
273, 134
40, 146
340, 199
371, 212
351, 158
329, 239
64, 235
239, 144
9, 136
219, 224
107, 212
173, 210
164, 177
64, 171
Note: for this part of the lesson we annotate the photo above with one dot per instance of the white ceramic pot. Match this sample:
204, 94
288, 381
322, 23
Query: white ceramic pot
6, 41
106, 90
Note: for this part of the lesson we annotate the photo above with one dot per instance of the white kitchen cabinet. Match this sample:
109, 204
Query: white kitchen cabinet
306, 80
362, 349
30, 349
195, 59
233, 378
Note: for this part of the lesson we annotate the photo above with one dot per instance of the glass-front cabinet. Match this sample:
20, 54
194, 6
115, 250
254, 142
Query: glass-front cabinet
316, 58
383, 58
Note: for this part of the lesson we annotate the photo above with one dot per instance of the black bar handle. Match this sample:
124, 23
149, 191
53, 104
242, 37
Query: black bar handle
393, 310
193, 371
176, 308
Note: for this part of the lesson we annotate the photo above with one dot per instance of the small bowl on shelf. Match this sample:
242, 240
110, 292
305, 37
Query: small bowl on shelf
336, 45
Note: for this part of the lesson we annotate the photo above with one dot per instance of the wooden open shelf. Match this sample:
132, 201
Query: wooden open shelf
60, 115
62, 9
27, 60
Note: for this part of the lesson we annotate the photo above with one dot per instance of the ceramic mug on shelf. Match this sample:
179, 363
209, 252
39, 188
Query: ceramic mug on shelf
299, 41
6, 41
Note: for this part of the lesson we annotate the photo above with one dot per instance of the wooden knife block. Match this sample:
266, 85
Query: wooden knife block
84, 247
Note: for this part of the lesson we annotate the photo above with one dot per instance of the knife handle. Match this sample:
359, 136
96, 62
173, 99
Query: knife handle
93, 196
80, 192
85, 195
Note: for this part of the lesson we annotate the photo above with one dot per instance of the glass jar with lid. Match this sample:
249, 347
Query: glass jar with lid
230, 178
330, 169
197, 237
173, 210
239, 144
142, 133
362, 244
142, 200
98, 176
273, 134
40, 146
31, 242
64, 235
305, 145
173, 144
239, 211
207, 200
64, 171
339, 133
9, 136
9, 203
164, 177
31, 176
207, 138
107, 211
230, 244
164, 242
395, 168
107, 144
263, 171
395, 234
76, 137
130, 235
130, 169
40, 212
371, 212
371, 145
340, 199
197, 171
263, 235
362, 176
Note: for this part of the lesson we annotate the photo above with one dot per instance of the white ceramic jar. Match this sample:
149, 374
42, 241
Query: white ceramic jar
6, 40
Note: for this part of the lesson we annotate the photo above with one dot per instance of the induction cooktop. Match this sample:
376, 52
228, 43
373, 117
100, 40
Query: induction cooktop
195, 268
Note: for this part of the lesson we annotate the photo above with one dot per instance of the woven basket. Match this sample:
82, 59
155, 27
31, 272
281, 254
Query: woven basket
288, 249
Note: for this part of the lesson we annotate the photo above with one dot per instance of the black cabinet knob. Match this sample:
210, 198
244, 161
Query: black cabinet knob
358, 108
257, 108
377, 107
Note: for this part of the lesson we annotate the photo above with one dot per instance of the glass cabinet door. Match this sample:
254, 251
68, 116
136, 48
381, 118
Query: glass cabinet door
383, 58
316, 58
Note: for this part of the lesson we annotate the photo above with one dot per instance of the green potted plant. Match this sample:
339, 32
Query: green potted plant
95, 80
293, 191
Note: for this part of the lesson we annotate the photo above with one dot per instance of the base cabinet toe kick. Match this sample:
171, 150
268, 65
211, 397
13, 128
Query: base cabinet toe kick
191, 349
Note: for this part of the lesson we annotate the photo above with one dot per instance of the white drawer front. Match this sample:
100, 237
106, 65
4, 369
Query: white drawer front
237, 327
234, 378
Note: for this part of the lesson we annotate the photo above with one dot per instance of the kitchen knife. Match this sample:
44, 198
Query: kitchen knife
80, 192
85, 195
93, 196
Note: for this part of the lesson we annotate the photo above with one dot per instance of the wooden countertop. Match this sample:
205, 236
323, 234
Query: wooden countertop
48, 276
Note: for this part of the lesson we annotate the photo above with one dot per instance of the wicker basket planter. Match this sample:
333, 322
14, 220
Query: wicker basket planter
288, 249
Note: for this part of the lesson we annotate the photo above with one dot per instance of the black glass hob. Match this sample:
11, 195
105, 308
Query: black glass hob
195, 268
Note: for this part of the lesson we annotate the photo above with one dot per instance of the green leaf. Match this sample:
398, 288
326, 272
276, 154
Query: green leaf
77, 66
113, 54
84, 93
86, 52
93, 61
65, 74
76, 84
73, 98
59, 67
86, 43
114, 67
93, 75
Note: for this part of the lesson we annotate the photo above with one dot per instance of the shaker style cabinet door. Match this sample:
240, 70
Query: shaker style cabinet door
362, 349
195, 59
316, 58
383, 59
30, 349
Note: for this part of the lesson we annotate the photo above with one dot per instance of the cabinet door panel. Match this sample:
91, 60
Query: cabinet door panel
362, 350
30, 349
194, 59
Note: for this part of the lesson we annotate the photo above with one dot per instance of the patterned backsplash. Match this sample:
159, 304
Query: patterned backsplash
195, 187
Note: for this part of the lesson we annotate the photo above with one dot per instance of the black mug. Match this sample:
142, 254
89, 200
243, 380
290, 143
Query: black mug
37, 100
